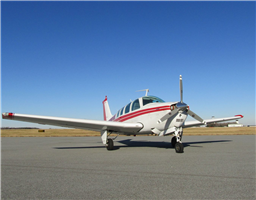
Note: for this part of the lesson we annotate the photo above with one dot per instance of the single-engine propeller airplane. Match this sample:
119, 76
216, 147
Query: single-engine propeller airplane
145, 115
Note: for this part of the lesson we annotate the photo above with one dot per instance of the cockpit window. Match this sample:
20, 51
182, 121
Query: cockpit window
127, 108
135, 105
151, 99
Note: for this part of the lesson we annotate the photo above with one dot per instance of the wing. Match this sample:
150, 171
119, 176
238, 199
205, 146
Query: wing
96, 125
197, 123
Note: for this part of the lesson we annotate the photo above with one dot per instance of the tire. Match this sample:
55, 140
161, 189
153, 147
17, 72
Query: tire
179, 147
110, 144
173, 141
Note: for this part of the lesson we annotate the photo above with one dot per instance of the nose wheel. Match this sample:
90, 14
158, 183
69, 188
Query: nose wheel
176, 140
179, 147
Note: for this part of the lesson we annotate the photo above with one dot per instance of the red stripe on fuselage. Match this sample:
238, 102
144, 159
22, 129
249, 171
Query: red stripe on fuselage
141, 112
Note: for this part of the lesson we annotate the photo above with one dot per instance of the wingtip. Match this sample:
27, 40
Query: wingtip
7, 115
239, 116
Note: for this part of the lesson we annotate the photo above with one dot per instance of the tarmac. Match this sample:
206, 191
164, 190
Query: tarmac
144, 167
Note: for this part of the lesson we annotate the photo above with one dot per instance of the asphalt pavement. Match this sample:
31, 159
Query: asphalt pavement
211, 167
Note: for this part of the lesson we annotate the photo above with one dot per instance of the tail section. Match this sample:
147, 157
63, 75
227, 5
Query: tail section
106, 110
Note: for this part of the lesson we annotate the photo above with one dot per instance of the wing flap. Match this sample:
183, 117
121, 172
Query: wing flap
96, 125
207, 121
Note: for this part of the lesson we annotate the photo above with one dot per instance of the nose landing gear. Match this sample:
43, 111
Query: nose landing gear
179, 147
176, 141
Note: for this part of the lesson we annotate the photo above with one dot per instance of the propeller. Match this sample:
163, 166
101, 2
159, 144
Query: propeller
181, 106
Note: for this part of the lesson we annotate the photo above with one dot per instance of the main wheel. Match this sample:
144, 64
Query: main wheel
179, 147
174, 141
110, 144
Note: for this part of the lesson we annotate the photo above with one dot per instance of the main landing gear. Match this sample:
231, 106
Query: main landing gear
110, 144
176, 141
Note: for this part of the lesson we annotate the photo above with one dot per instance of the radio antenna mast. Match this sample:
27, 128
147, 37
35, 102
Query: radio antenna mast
147, 90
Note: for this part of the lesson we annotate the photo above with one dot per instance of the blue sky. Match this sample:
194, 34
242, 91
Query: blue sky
62, 58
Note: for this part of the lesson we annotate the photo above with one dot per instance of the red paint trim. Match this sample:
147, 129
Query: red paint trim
141, 112
104, 112
239, 116
106, 98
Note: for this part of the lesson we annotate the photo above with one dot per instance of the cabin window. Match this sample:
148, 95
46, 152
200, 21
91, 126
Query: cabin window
117, 115
151, 99
121, 112
127, 108
136, 105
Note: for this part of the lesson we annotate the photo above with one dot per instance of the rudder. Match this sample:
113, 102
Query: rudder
106, 110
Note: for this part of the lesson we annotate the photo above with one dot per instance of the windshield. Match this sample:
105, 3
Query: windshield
151, 99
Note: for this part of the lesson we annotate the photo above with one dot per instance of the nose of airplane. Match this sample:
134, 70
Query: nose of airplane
181, 106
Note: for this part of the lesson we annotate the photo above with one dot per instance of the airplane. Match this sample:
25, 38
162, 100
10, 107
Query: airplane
145, 115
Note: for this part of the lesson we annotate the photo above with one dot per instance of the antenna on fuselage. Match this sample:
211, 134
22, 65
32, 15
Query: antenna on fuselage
147, 90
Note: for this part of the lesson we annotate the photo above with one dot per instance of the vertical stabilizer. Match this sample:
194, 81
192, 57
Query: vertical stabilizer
106, 110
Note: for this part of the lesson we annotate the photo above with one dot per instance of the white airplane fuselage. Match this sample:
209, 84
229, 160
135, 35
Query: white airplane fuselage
149, 116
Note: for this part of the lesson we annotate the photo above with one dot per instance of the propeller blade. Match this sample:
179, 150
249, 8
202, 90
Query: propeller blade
195, 116
167, 116
181, 90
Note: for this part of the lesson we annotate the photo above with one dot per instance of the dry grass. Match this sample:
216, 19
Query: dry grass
86, 133
220, 131
48, 133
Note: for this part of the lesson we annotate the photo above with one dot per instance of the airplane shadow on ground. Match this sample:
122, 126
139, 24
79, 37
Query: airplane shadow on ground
154, 144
